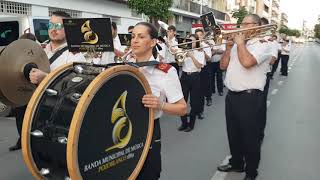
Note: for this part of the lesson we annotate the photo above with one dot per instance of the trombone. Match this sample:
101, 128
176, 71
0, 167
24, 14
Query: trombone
218, 36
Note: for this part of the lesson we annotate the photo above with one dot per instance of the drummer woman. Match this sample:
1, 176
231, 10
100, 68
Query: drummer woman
166, 94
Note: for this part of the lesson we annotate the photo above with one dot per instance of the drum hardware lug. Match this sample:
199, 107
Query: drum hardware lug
77, 79
62, 140
44, 171
76, 97
37, 133
79, 69
51, 92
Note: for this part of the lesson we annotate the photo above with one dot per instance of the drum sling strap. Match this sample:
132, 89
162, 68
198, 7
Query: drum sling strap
57, 54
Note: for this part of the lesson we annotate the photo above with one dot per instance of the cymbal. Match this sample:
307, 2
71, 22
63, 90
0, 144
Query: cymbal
16, 61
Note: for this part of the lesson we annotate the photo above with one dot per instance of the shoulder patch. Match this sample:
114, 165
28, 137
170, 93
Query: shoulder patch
163, 67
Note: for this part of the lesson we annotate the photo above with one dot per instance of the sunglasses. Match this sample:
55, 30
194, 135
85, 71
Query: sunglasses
57, 26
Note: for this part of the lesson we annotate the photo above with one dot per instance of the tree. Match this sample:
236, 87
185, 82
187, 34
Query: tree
154, 9
289, 32
317, 31
239, 14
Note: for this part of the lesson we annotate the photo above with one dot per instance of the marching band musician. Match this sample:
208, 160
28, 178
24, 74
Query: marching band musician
190, 81
245, 102
57, 50
171, 41
165, 85
58, 54
206, 91
217, 52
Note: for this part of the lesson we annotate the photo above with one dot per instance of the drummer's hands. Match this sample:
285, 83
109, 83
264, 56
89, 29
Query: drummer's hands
36, 76
151, 101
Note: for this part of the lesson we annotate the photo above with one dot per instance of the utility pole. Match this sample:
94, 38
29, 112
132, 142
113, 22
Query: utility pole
201, 7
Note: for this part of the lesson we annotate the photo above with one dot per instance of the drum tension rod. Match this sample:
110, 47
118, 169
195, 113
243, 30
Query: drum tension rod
44, 171
37, 133
51, 92
62, 140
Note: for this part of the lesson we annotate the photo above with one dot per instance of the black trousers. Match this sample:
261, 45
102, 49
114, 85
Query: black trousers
275, 65
176, 66
265, 92
19, 115
244, 113
205, 91
217, 77
190, 84
284, 64
151, 168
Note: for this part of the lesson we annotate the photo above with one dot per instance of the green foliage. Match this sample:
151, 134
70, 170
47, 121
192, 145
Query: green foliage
239, 14
158, 9
289, 32
317, 30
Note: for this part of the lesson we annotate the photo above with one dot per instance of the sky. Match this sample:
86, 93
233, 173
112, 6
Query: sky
299, 10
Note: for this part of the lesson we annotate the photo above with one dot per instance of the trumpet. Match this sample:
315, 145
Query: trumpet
219, 35
123, 59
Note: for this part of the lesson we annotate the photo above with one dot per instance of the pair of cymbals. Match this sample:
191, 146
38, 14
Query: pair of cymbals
16, 61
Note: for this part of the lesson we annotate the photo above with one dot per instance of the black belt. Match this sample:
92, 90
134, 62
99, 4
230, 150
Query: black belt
190, 73
248, 91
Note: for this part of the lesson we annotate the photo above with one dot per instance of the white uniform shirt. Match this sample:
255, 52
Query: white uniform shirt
217, 57
108, 57
164, 85
163, 51
169, 58
207, 50
239, 78
65, 58
287, 48
188, 65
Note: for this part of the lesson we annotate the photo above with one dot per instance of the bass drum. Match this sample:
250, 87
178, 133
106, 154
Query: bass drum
86, 122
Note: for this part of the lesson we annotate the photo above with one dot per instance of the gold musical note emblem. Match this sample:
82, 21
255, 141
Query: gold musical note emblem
120, 120
89, 36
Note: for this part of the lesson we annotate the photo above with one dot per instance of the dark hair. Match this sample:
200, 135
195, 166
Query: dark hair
114, 25
264, 20
255, 18
130, 27
171, 27
274, 36
152, 30
28, 36
197, 38
61, 14
198, 30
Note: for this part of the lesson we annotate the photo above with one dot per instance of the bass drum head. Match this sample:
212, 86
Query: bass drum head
111, 130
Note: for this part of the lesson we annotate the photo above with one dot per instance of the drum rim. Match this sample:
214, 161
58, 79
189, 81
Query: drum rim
77, 119
28, 119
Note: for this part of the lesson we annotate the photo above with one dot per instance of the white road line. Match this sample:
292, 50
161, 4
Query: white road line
274, 91
280, 83
290, 68
218, 175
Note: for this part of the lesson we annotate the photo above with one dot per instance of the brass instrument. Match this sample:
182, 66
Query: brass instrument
123, 59
219, 35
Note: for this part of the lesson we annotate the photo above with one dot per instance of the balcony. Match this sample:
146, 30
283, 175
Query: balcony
275, 3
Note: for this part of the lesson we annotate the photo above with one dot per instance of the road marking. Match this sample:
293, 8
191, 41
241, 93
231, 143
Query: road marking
290, 67
268, 103
280, 83
274, 91
218, 175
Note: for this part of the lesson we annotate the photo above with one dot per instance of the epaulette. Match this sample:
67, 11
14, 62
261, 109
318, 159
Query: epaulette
163, 67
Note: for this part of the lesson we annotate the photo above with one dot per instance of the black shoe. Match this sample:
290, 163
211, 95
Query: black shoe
200, 116
249, 178
220, 93
182, 128
229, 168
188, 129
209, 102
15, 147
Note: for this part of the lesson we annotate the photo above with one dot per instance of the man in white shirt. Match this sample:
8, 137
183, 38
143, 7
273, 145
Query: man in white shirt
171, 42
206, 90
57, 44
217, 52
285, 52
245, 102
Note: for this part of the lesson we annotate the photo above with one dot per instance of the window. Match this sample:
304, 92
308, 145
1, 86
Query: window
9, 31
41, 29
72, 13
